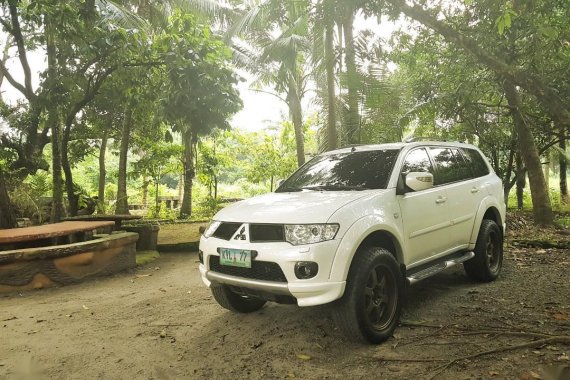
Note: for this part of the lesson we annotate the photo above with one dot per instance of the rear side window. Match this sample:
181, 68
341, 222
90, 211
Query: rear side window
450, 166
476, 162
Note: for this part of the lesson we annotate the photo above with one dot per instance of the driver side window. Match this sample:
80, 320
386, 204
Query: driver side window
417, 161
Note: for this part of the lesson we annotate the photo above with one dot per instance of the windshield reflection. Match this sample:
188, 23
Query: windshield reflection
350, 171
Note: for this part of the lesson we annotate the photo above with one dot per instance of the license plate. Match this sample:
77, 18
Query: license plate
235, 257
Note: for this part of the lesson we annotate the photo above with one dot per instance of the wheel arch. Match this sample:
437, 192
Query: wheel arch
382, 239
487, 210
377, 235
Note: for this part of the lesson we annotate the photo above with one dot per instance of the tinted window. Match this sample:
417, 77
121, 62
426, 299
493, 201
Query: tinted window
417, 161
476, 162
344, 171
450, 166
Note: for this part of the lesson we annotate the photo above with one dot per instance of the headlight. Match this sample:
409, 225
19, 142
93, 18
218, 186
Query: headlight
298, 234
212, 227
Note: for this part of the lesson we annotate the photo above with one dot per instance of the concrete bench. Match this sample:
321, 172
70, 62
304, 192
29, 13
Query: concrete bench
117, 219
50, 234
40, 267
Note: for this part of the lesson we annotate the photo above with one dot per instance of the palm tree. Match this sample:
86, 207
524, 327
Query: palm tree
275, 48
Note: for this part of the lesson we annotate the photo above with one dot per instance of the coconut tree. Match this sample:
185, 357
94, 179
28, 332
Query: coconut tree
274, 47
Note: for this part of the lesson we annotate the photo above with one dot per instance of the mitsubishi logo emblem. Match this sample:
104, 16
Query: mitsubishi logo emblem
241, 234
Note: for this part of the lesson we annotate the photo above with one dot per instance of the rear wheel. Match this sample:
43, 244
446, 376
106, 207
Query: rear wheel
488, 261
370, 308
232, 301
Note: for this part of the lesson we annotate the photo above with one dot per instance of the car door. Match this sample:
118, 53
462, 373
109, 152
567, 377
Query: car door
464, 193
425, 215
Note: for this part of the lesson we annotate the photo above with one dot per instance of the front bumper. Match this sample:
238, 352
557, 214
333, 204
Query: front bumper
315, 291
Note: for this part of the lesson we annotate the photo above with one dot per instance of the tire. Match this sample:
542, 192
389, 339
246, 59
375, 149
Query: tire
235, 302
488, 261
370, 308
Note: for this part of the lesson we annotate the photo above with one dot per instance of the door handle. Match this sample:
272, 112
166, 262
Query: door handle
441, 200
474, 190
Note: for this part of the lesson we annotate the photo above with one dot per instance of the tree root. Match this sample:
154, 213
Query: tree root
536, 343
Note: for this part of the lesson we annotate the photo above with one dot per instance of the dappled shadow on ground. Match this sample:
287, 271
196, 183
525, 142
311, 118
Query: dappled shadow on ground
161, 322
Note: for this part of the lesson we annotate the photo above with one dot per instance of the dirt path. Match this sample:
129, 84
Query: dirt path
160, 322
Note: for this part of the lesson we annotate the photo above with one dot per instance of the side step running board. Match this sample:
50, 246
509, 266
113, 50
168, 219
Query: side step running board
430, 271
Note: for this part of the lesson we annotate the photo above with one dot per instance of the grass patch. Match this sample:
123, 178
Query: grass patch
145, 257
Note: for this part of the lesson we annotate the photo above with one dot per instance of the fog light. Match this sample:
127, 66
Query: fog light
201, 257
306, 269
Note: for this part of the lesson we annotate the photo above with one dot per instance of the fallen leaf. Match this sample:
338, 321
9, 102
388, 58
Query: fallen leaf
85, 307
303, 357
562, 316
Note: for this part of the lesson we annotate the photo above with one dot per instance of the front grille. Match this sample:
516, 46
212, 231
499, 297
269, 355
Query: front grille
260, 270
226, 230
266, 232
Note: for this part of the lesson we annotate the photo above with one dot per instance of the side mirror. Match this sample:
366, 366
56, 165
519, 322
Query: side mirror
418, 181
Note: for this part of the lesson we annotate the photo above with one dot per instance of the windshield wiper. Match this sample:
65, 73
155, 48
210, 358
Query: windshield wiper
334, 187
288, 190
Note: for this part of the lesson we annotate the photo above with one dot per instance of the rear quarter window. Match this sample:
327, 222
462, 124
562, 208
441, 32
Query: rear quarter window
477, 163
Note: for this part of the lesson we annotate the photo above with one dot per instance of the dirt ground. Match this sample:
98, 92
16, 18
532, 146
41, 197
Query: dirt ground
160, 322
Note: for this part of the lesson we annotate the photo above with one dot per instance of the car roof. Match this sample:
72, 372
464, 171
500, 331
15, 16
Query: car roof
398, 146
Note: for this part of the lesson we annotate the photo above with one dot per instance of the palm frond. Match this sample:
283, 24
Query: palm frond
114, 11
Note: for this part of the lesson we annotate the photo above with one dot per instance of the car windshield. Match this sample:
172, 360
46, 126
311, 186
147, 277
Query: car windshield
356, 170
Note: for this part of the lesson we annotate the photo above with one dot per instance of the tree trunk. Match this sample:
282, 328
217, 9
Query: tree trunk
541, 207
72, 197
547, 96
507, 183
7, 217
54, 124
546, 171
352, 117
296, 111
102, 175
122, 206
521, 181
563, 170
146, 182
186, 207
180, 188
331, 92
156, 196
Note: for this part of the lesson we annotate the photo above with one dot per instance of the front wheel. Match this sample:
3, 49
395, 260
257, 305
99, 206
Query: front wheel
370, 308
488, 260
235, 302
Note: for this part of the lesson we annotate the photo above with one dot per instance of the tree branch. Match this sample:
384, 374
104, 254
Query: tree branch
546, 95
19, 38
18, 86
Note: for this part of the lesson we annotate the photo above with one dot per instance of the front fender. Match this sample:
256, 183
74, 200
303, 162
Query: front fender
354, 237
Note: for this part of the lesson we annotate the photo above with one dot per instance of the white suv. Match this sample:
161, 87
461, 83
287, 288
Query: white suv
353, 226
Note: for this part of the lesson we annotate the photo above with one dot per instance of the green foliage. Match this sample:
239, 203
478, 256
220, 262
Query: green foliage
161, 213
201, 91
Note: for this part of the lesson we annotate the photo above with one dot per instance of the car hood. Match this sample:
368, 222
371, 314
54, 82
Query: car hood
290, 208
